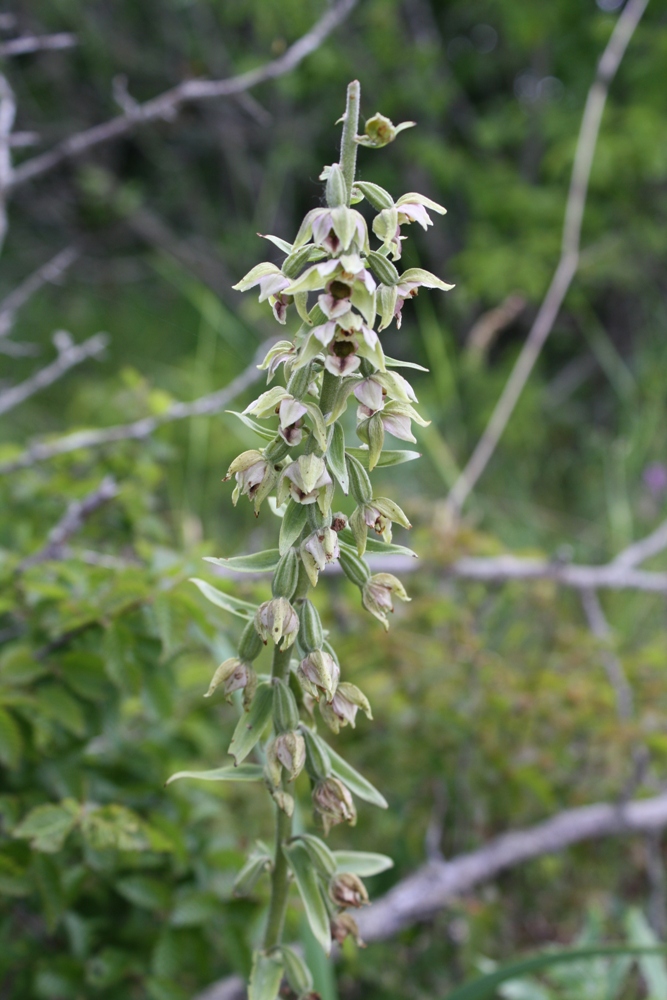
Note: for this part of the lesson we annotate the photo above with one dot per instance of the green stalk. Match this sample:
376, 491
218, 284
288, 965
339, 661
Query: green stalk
280, 874
348, 145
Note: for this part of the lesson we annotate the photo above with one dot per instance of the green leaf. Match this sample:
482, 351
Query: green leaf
374, 546
11, 741
308, 885
425, 278
145, 892
356, 782
318, 425
484, 988
276, 240
389, 456
251, 724
47, 826
114, 828
244, 772
257, 562
265, 977
259, 429
395, 363
293, 524
363, 863
336, 457
653, 968
225, 601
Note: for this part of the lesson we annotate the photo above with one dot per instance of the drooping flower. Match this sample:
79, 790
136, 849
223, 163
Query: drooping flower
255, 477
287, 750
272, 283
303, 479
319, 673
378, 592
277, 620
347, 889
342, 709
333, 803
318, 549
234, 675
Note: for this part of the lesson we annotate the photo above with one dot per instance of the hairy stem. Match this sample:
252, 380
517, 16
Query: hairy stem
348, 145
279, 876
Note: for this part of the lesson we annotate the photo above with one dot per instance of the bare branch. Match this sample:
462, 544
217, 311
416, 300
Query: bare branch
139, 429
49, 272
72, 522
37, 43
69, 355
434, 885
645, 549
599, 626
569, 260
166, 105
504, 568
7, 116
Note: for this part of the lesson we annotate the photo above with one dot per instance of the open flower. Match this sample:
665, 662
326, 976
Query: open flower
319, 673
282, 352
255, 477
234, 675
318, 549
334, 229
304, 479
378, 593
378, 514
343, 707
277, 620
272, 283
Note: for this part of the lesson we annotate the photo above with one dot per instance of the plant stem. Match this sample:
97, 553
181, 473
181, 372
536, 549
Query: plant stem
348, 145
279, 876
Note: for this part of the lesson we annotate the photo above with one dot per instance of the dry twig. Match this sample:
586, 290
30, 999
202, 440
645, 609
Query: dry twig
166, 105
37, 43
49, 272
569, 260
69, 355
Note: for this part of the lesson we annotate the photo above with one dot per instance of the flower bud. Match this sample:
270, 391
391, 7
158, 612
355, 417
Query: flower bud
318, 761
355, 568
344, 706
382, 268
276, 450
286, 575
287, 750
250, 644
347, 889
311, 636
299, 382
277, 620
360, 484
344, 925
297, 972
285, 710
336, 189
333, 803
380, 131
319, 672
234, 675
377, 595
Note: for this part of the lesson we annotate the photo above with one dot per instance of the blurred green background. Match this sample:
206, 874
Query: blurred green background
492, 707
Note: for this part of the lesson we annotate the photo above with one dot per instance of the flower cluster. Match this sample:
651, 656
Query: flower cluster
345, 293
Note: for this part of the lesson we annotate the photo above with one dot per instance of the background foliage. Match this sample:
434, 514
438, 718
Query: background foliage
491, 703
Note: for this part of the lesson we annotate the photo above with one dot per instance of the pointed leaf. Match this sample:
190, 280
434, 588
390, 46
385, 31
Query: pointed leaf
485, 987
388, 457
225, 601
258, 562
356, 782
299, 861
293, 524
276, 240
425, 278
47, 826
265, 977
244, 772
363, 863
336, 457
251, 725
395, 363
263, 432
374, 547
318, 425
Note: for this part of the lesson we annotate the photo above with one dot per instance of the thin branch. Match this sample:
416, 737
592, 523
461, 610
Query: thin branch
7, 116
139, 429
648, 547
599, 626
68, 356
37, 43
434, 885
71, 523
49, 272
569, 260
610, 576
166, 105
